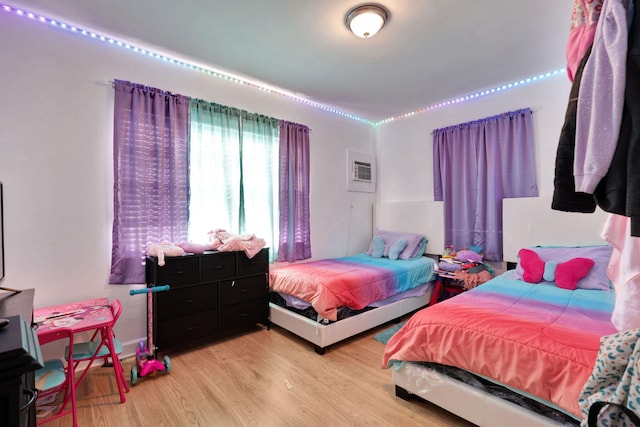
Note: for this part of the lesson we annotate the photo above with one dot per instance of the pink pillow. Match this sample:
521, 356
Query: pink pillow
565, 275
569, 273
600, 254
532, 265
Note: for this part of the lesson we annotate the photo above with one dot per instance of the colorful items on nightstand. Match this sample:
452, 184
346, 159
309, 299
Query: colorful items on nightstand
460, 271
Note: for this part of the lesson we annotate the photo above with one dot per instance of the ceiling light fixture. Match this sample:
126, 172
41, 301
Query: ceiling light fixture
366, 20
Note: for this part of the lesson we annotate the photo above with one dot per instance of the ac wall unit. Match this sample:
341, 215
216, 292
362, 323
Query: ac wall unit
361, 171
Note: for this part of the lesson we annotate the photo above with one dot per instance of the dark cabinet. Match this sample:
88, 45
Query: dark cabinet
20, 357
210, 294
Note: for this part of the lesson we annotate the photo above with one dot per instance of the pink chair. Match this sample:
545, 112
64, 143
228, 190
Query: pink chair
99, 347
54, 377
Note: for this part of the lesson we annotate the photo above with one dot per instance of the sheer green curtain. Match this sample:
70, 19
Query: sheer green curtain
259, 212
214, 169
233, 164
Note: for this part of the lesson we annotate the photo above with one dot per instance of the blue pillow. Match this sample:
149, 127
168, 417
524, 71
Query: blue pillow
377, 247
396, 248
415, 247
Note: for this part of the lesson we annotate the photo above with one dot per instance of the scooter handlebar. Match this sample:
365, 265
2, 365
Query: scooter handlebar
148, 290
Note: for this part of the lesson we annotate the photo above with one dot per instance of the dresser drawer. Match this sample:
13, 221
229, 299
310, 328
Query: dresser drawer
258, 264
242, 290
177, 271
248, 313
186, 300
183, 329
202, 285
217, 266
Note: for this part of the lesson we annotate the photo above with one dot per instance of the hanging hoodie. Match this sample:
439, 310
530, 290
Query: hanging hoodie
601, 98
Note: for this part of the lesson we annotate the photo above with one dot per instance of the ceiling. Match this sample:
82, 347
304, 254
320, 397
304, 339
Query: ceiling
429, 51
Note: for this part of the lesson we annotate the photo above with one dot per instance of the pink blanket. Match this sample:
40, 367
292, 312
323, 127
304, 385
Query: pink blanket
535, 338
354, 282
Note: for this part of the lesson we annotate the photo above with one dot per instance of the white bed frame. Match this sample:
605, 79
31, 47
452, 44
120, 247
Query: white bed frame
418, 217
475, 406
526, 222
322, 336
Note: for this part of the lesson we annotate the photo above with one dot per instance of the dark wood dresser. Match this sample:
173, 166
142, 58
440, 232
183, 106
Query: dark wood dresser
210, 294
20, 357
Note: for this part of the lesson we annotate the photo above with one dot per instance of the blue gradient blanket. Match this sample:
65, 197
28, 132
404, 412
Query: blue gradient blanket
537, 338
355, 281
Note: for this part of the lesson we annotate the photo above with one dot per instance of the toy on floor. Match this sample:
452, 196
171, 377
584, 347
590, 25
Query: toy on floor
146, 363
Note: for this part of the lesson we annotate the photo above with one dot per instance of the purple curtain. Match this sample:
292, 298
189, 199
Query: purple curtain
476, 165
295, 234
150, 193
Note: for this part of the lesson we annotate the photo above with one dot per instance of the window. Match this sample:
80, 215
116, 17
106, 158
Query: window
233, 175
183, 167
476, 165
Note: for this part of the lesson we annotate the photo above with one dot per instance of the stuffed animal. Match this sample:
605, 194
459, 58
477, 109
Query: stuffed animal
192, 248
162, 249
223, 241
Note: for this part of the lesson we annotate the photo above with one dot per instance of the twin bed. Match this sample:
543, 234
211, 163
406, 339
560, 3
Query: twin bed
395, 287
512, 351
509, 352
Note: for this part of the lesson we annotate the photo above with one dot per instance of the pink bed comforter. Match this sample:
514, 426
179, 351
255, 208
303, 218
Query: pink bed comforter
355, 281
536, 338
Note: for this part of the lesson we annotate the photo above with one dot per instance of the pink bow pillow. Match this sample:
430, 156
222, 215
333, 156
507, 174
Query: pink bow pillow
566, 275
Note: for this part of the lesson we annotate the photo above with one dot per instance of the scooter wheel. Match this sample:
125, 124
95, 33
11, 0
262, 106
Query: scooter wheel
134, 375
167, 364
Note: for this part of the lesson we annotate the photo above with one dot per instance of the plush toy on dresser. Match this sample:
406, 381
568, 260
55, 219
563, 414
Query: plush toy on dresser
162, 249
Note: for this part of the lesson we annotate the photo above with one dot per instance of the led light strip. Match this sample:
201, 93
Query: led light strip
495, 90
110, 40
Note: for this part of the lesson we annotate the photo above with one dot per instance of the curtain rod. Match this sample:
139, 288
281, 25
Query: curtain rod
112, 83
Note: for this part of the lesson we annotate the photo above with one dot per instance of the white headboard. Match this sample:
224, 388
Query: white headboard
530, 221
425, 217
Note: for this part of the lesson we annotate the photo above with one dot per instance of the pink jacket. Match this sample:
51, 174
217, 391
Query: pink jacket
584, 18
624, 271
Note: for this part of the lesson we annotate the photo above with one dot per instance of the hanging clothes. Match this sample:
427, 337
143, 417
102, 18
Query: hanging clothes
584, 18
618, 192
565, 198
624, 271
601, 98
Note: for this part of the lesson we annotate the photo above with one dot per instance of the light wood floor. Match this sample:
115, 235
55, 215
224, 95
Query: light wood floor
260, 378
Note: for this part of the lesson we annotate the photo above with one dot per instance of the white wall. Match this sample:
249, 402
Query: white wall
405, 146
56, 134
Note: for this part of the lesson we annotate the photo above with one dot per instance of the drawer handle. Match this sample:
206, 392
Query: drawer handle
244, 291
188, 301
178, 273
193, 328
217, 267
244, 314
